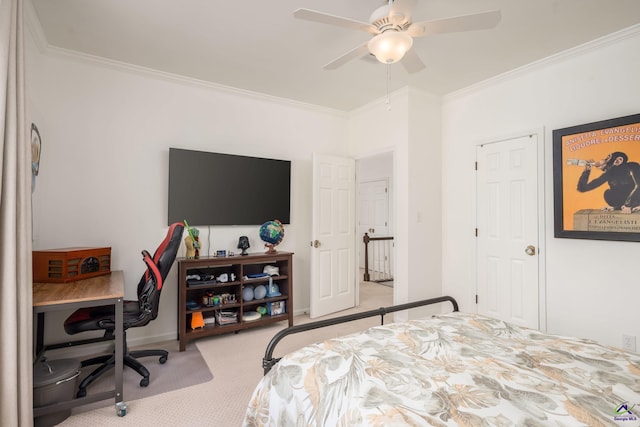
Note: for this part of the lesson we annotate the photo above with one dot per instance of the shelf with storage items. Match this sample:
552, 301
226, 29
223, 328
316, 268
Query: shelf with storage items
212, 287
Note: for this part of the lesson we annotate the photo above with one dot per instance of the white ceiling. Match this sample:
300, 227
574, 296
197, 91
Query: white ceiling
258, 46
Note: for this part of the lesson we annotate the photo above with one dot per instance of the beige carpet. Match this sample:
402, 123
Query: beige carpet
236, 363
182, 369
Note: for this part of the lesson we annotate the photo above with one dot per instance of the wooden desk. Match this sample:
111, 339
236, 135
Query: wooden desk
96, 291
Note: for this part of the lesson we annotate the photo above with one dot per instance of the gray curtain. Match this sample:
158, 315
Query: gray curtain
16, 354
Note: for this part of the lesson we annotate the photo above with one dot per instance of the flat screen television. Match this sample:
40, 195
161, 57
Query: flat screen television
224, 189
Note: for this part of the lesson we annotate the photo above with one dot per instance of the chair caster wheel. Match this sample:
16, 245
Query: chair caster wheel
81, 393
144, 382
163, 360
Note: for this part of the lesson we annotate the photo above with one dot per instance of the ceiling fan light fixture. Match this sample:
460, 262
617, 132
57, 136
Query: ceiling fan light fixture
390, 46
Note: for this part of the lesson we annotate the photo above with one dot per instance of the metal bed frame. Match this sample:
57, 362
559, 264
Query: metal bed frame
268, 361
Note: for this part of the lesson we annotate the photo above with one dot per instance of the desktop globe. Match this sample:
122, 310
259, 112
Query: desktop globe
272, 233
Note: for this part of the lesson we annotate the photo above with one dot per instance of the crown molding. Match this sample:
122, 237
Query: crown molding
35, 28
190, 81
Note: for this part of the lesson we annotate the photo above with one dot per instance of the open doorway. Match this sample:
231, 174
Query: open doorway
375, 248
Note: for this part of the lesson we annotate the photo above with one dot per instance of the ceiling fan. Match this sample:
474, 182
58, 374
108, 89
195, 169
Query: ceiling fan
394, 31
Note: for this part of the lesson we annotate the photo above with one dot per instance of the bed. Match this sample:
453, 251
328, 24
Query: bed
450, 369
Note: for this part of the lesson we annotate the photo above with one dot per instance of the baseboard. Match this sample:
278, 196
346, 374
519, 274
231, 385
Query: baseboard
80, 351
301, 311
146, 340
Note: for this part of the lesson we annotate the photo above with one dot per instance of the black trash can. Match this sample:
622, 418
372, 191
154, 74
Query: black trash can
54, 381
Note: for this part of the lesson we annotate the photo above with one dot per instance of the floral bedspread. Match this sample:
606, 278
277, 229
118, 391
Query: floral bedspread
450, 370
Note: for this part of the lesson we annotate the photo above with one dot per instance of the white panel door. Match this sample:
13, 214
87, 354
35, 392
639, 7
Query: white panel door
333, 269
373, 204
374, 207
507, 251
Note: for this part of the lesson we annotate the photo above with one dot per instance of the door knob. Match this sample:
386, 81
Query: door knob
315, 243
531, 250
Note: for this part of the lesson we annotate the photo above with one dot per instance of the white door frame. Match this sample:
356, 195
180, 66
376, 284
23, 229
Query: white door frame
542, 191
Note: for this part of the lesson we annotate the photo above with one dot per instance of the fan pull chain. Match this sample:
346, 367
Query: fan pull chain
388, 100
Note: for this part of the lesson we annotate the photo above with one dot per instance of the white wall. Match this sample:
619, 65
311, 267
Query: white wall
592, 286
424, 216
106, 132
411, 130
375, 167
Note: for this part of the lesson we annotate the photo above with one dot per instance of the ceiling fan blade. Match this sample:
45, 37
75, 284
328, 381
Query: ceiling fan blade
476, 21
412, 62
402, 8
325, 18
354, 53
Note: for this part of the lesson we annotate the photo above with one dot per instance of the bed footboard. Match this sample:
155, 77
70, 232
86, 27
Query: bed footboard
268, 361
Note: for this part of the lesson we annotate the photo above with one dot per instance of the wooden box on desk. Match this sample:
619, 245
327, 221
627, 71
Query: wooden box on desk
70, 264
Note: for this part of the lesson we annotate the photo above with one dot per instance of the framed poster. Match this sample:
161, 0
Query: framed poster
596, 180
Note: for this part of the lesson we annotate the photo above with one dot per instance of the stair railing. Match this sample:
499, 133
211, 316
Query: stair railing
381, 258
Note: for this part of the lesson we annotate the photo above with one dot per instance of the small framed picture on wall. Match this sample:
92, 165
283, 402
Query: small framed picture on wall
596, 180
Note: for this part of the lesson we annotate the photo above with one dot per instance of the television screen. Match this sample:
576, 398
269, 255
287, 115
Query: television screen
224, 189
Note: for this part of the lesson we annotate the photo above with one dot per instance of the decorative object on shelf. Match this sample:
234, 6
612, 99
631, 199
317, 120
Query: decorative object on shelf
226, 298
261, 309
243, 243
221, 253
272, 233
276, 308
192, 241
211, 300
247, 293
191, 251
207, 299
273, 290
271, 270
197, 321
260, 292
250, 316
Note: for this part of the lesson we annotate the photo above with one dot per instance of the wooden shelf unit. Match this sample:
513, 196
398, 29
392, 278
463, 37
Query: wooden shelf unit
240, 266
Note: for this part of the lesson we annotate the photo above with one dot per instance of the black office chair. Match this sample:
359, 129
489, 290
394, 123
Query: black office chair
136, 313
